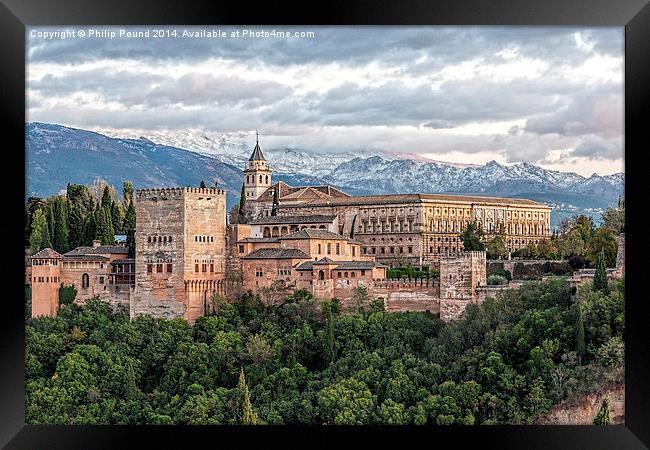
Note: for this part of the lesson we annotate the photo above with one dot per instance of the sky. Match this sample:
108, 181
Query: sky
551, 96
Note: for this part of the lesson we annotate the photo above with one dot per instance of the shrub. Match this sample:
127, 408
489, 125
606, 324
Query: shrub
495, 279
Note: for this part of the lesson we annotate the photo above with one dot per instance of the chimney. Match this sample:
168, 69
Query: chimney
96, 243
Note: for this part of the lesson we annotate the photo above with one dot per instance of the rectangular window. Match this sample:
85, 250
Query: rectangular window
319, 249
363, 273
196, 268
329, 248
259, 272
101, 280
410, 250
149, 268
338, 248
241, 249
169, 268
159, 268
211, 267
354, 251
204, 267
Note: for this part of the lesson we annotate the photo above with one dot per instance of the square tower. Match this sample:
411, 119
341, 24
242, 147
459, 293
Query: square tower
257, 174
459, 277
180, 251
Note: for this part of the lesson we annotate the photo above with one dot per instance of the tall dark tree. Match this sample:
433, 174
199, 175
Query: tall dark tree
600, 277
89, 229
105, 232
580, 332
116, 217
242, 205
40, 237
60, 238
75, 226
276, 200
33, 204
245, 413
127, 193
106, 198
128, 227
51, 220
473, 237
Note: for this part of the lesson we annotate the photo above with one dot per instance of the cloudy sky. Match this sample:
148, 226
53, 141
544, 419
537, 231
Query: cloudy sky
551, 96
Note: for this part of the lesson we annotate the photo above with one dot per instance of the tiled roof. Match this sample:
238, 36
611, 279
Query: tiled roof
288, 192
67, 257
46, 253
123, 261
277, 253
257, 154
418, 198
101, 250
325, 261
262, 239
316, 218
312, 233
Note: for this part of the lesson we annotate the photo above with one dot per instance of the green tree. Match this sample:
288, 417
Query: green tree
106, 198
60, 240
245, 413
536, 398
89, 229
602, 417
242, 206
496, 247
105, 232
40, 237
75, 226
276, 200
600, 277
116, 217
128, 227
580, 331
473, 237
51, 217
330, 340
602, 240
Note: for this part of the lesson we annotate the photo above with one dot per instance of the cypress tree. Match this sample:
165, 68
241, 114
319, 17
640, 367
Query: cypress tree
60, 238
40, 237
600, 277
105, 232
128, 227
89, 229
116, 217
127, 191
75, 227
330, 342
580, 332
242, 205
276, 201
51, 220
246, 415
602, 417
106, 198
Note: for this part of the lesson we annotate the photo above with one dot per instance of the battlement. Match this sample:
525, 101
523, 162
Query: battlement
405, 283
143, 194
474, 254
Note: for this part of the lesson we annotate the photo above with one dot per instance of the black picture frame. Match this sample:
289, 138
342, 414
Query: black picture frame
634, 15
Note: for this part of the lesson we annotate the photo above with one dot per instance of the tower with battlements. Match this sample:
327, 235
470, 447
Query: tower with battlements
180, 251
459, 277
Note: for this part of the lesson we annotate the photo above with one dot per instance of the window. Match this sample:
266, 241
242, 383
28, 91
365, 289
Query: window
363, 273
338, 248
169, 239
159, 268
353, 274
169, 268
329, 248
354, 251
196, 268
204, 267
259, 272
149, 268
101, 280
85, 280
149, 239
410, 250
319, 249
211, 267
241, 249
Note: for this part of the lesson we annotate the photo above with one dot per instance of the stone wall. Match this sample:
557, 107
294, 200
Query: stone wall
459, 279
583, 412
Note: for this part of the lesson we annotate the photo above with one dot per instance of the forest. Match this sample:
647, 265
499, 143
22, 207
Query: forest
302, 361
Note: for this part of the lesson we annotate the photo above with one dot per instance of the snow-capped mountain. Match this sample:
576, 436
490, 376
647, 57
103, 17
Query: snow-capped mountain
58, 155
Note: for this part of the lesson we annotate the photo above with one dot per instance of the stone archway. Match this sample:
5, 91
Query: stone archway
267, 232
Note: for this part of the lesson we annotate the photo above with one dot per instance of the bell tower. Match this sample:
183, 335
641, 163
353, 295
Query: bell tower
257, 173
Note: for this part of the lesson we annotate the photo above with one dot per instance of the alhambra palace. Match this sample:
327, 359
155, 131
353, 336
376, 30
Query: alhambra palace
317, 238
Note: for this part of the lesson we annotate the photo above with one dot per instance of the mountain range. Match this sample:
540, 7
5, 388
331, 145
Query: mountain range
58, 155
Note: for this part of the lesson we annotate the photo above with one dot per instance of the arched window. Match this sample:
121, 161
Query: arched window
321, 275
267, 232
267, 179
260, 179
85, 280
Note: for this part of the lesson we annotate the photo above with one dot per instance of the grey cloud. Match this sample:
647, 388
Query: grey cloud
438, 125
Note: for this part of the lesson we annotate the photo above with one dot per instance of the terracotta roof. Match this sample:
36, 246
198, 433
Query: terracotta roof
262, 239
418, 198
277, 253
325, 261
67, 257
313, 233
101, 250
290, 192
123, 261
316, 218
340, 265
46, 253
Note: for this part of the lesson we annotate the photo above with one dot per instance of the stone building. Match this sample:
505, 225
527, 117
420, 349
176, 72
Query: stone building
397, 229
180, 249
460, 276
100, 270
